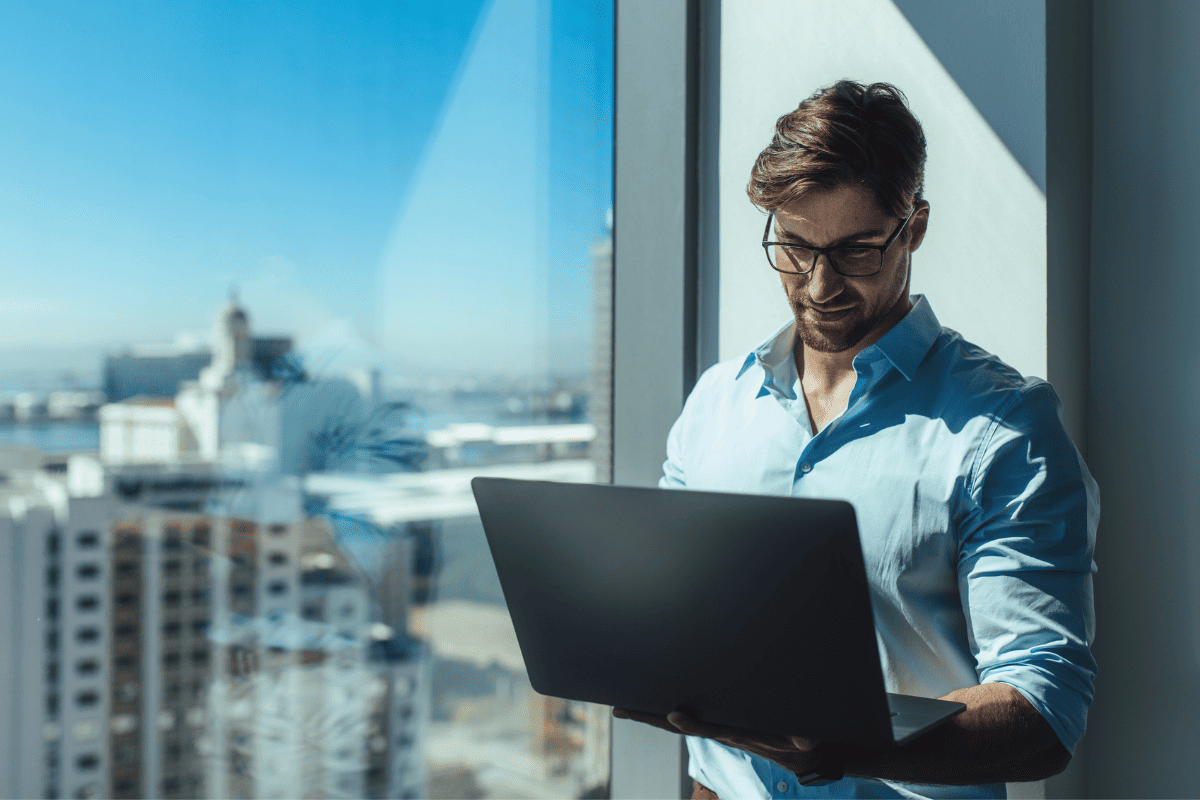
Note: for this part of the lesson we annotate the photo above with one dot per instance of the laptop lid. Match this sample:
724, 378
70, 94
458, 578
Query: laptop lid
751, 611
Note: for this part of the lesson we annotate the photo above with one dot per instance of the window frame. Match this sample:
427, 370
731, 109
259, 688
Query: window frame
667, 64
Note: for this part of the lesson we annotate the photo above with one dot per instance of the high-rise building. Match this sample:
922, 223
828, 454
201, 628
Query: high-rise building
600, 404
31, 633
310, 697
179, 633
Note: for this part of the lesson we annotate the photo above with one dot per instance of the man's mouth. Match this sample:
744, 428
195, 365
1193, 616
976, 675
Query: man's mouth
830, 314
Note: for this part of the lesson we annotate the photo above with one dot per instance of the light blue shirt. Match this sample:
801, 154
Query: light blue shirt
976, 513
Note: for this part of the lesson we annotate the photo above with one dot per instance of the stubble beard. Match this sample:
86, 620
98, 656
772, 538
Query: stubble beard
850, 330
836, 341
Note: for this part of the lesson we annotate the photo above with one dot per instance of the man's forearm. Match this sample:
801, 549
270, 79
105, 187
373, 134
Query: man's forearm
1000, 737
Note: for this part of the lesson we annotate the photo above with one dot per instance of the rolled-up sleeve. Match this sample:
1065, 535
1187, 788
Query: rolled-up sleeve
1025, 561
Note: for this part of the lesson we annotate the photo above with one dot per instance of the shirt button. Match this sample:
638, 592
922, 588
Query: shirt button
805, 468
781, 786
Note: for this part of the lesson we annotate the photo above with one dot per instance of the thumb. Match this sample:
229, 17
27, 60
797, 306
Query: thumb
803, 744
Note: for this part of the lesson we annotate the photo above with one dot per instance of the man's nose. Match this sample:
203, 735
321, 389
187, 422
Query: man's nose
824, 283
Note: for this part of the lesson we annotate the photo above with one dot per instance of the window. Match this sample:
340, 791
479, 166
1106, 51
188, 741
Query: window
87, 699
87, 666
274, 375
128, 539
200, 535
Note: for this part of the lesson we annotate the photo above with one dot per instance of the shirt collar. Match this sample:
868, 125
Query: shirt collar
771, 352
905, 345
909, 341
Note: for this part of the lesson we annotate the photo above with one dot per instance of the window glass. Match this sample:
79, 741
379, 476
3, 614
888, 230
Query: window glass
281, 278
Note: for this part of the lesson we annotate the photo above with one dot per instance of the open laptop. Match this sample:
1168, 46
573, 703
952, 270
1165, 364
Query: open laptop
747, 610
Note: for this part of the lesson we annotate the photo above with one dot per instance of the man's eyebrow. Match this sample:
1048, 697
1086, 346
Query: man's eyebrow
853, 237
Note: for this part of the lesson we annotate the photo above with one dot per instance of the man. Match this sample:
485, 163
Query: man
976, 513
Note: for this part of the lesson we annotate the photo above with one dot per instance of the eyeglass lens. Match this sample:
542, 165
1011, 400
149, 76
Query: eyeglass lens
846, 260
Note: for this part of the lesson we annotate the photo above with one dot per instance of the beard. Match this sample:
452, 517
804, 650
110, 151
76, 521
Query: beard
860, 320
835, 337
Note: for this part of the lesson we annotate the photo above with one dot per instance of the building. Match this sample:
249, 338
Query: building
236, 413
34, 589
310, 697
164, 371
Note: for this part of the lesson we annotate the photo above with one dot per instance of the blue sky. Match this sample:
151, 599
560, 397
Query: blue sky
154, 154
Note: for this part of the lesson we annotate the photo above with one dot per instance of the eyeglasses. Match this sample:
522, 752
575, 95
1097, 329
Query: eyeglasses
853, 261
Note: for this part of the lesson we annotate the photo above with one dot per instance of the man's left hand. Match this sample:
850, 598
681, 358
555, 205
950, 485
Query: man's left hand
794, 753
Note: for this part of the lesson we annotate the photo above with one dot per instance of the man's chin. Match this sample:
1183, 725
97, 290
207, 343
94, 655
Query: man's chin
823, 344
834, 342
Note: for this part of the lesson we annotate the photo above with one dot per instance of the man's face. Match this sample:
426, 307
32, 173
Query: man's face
835, 313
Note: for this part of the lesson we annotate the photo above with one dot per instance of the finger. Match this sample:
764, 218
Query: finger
734, 737
803, 744
657, 720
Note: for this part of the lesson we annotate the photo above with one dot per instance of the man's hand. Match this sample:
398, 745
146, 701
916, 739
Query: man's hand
794, 753
999, 737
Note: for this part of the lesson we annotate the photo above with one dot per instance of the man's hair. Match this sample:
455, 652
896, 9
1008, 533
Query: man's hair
844, 134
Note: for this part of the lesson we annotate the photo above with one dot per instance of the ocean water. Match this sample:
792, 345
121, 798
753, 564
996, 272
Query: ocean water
53, 437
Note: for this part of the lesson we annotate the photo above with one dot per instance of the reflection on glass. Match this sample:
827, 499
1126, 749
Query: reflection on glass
247, 563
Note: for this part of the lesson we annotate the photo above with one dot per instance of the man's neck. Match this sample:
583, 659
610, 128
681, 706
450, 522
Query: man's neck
820, 371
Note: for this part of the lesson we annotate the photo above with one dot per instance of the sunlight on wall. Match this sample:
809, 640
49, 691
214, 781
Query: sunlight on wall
983, 262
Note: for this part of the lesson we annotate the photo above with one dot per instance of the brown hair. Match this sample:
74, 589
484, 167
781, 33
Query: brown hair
846, 133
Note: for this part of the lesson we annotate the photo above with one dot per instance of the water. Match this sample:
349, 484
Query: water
52, 437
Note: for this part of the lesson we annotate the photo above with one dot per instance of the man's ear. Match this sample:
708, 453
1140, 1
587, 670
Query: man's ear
918, 225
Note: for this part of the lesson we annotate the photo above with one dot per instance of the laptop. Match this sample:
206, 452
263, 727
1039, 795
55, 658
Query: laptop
746, 610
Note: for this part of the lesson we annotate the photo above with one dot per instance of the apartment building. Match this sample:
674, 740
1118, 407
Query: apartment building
31, 634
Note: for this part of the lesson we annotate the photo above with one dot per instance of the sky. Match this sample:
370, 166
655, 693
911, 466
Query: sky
416, 177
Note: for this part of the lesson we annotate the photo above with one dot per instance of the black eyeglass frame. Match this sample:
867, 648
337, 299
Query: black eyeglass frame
828, 251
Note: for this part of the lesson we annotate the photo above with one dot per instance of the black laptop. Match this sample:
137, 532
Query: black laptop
748, 610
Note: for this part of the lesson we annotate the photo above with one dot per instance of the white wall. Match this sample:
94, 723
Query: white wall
983, 263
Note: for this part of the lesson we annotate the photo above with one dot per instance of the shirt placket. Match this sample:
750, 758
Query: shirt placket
825, 442
783, 783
